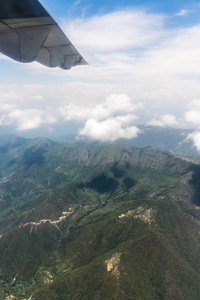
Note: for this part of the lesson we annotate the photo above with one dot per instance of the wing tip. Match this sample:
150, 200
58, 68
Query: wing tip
79, 61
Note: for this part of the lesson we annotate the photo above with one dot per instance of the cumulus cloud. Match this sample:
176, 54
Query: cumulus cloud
25, 95
26, 119
195, 137
193, 114
107, 121
195, 104
113, 105
109, 130
164, 120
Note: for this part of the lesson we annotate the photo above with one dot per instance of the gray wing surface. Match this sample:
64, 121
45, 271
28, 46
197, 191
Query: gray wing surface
28, 33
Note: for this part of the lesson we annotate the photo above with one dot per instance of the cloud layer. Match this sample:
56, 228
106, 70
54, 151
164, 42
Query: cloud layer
113, 105
108, 121
116, 31
142, 70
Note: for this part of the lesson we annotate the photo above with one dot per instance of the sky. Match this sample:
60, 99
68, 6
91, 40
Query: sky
143, 68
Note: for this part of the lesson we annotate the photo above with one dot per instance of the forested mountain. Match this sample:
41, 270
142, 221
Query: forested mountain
97, 221
170, 139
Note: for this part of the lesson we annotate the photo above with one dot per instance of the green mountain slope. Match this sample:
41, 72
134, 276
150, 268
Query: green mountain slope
97, 222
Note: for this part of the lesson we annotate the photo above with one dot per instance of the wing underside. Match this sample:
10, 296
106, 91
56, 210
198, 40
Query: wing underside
28, 33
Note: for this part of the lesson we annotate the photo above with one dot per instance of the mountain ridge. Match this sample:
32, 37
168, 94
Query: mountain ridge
174, 140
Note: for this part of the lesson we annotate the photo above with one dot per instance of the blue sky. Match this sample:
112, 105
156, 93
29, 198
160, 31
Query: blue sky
144, 68
74, 9
96, 7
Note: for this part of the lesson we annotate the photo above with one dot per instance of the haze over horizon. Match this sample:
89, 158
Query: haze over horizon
144, 68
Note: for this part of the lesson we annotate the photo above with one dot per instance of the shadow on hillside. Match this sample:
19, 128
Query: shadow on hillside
103, 184
195, 182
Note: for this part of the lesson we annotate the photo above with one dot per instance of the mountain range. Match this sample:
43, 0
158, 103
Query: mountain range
174, 140
97, 221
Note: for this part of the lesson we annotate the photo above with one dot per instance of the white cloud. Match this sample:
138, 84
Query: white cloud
107, 121
195, 137
77, 2
134, 47
195, 104
6, 107
113, 105
147, 55
29, 119
183, 12
115, 31
114, 115
26, 119
109, 130
37, 98
193, 116
164, 120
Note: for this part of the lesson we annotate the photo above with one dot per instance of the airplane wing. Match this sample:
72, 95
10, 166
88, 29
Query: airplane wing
28, 33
